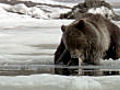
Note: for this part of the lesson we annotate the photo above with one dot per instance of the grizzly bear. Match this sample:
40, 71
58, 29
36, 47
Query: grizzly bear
89, 39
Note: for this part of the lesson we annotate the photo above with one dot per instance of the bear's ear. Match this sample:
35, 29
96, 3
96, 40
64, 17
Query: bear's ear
63, 28
80, 24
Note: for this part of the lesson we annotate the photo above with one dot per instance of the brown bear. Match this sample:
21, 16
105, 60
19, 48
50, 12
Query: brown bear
90, 38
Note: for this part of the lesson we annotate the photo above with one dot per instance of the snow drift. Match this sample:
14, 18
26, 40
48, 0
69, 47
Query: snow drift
91, 6
55, 82
51, 9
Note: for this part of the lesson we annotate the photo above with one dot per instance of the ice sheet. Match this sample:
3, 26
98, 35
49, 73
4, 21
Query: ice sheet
56, 82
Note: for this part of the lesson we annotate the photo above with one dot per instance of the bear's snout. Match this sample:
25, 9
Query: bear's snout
75, 53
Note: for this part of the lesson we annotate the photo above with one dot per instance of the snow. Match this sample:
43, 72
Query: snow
111, 62
38, 12
103, 11
56, 82
44, 12
117, 10
26, 40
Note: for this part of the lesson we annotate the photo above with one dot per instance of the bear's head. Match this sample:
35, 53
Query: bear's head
74, 38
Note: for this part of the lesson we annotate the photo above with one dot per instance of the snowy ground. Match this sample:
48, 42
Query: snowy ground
29, 40
55, 82
43, 11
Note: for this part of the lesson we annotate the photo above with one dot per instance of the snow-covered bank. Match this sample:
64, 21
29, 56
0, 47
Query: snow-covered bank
91, 6
55, 82
38, 12
50, 9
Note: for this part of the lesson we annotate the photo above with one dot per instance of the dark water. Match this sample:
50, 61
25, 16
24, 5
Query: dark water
13, 70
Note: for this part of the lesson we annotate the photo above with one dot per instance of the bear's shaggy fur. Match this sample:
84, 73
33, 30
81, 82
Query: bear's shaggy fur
90, 38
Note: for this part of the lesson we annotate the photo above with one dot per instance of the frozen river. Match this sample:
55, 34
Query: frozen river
29, 41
